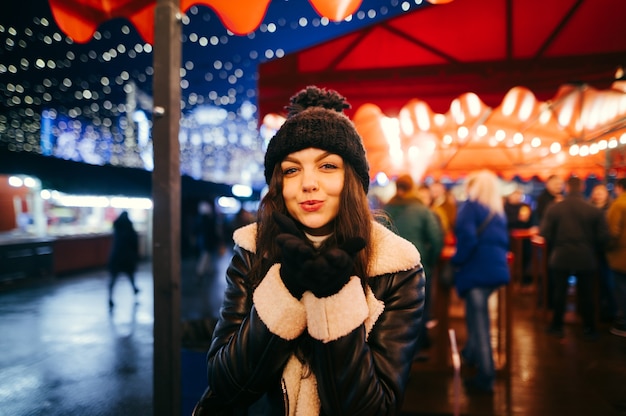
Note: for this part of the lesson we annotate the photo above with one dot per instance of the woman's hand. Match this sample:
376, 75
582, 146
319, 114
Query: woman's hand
296, 253
329, 271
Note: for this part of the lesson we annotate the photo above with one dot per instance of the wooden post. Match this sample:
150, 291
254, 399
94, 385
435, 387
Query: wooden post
166, 184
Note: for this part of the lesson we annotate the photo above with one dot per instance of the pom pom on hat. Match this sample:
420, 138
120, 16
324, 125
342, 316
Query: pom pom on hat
315, 119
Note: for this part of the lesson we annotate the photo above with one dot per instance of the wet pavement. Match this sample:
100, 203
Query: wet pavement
64, 352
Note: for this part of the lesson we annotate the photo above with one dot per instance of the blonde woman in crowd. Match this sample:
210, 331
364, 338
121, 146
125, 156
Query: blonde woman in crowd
482, 267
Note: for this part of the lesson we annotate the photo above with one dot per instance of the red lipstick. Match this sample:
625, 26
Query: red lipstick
312, 205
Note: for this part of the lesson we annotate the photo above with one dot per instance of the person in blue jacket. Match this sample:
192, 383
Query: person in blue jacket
482, 267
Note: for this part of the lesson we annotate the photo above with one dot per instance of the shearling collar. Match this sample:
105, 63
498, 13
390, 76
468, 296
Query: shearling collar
390, 252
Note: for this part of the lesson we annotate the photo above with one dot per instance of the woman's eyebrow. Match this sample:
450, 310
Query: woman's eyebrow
317, 159
324, 155
291, 159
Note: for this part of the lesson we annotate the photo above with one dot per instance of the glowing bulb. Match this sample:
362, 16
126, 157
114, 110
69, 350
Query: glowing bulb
15, 181
555, 147
584, 150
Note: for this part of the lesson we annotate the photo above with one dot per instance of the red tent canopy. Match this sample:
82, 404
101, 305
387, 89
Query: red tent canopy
438, 53
435, 55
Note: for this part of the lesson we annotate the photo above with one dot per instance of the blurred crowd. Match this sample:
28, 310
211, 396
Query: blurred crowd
581, 229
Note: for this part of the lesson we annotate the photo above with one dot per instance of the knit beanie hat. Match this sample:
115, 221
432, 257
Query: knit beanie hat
316, 119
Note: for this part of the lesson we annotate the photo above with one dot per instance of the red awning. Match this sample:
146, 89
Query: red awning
438, 53
531, 54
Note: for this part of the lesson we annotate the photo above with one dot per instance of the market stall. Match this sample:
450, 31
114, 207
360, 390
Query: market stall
45, 232
522, 137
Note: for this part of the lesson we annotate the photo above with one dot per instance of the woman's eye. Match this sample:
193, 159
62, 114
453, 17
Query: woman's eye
329, 166
288, 171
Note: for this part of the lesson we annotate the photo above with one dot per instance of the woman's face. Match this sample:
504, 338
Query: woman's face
555, 185
312, 183
515, 197
600, 195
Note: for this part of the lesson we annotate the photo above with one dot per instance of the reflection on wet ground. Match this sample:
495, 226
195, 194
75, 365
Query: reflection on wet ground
65, 353
549, 376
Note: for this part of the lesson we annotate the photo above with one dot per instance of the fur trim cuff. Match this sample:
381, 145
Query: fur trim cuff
283, 314
333, 317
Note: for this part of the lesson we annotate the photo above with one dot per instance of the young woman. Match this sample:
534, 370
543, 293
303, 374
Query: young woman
323, 304
481, 261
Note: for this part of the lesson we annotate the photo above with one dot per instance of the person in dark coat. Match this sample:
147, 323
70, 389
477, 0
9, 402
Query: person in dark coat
576, 234
124, 254
413, 220
482, 267
209, 240
323, 304
553, 192
519, 217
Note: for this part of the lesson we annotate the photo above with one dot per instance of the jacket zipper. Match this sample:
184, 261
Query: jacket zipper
283, 386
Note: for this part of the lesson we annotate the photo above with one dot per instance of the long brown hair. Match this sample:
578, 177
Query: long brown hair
354, 219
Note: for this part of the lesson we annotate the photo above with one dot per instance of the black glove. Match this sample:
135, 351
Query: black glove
287, 225
328, 272
297, 253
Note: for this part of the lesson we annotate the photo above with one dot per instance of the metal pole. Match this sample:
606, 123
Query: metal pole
166, 184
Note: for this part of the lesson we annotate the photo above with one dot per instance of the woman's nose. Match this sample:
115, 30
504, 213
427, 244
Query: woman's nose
309, 182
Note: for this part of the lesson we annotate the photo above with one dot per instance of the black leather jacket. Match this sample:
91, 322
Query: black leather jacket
361, 368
